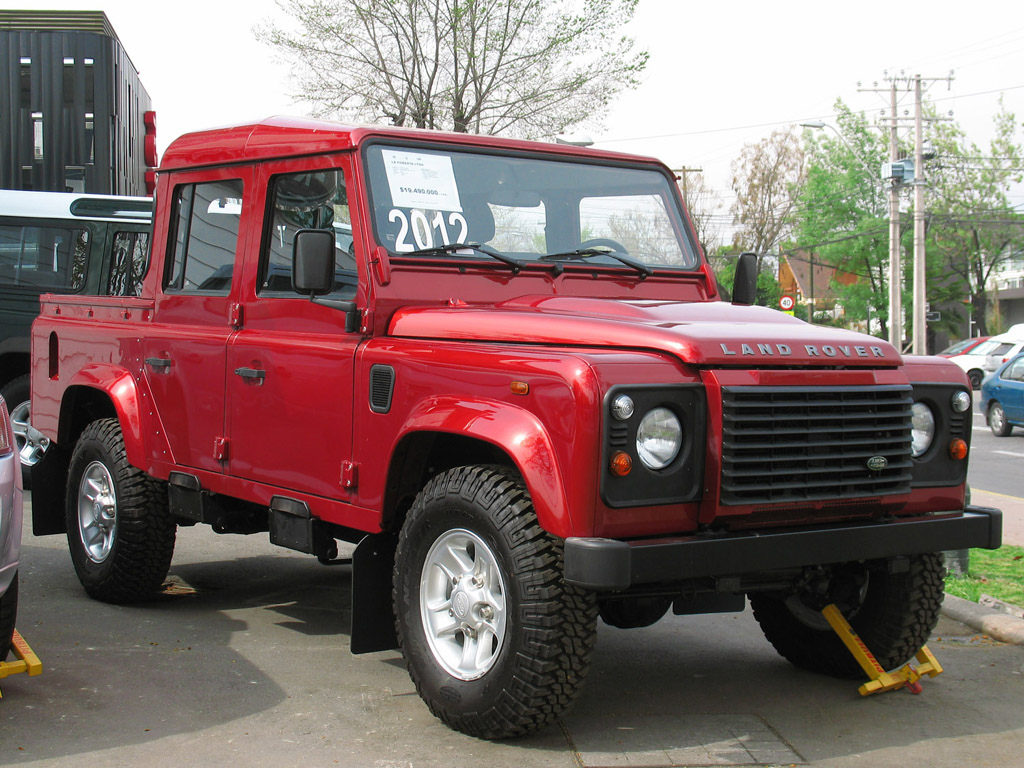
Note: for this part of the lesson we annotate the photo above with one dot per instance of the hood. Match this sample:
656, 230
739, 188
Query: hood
699, 333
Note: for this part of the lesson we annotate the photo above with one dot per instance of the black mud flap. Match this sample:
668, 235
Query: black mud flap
49, 489
373, 620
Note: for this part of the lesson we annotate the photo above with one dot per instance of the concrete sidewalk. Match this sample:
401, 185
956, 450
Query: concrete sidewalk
997, 625
1013, 513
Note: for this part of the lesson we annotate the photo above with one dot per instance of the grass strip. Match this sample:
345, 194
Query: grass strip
995, 572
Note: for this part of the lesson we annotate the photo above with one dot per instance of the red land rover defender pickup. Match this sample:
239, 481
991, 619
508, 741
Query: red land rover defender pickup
504, 371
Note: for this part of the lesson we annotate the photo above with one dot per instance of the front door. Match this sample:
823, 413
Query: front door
289, 368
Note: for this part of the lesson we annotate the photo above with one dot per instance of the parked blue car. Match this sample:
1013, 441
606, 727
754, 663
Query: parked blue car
1002, 397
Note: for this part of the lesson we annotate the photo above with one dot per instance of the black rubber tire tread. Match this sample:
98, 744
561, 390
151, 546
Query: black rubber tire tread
551, 629
14, 393
140, 555
898, 614
975, 376
1006, 429
8, 616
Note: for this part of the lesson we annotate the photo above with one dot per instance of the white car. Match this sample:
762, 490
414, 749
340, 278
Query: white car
10, 530
973, 361
1007, 345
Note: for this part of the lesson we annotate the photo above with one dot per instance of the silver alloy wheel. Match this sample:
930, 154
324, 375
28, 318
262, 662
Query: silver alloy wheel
997, 418
462, 604
97, 511
32, 444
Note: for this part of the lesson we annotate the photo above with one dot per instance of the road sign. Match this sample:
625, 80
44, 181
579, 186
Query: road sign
787, 303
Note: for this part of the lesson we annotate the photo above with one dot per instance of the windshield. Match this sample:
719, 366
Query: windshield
526, 208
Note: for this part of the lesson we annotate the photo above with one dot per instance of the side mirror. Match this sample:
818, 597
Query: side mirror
313, 262
744, 287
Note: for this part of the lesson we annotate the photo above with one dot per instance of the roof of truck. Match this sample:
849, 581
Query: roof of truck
69, 205
278, 137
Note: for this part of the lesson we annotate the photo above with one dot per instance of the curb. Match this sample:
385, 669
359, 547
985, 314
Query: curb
999, 626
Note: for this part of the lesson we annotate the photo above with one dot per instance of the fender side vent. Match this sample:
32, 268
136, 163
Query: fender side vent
382, 387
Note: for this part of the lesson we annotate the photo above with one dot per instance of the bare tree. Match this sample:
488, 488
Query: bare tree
767, 177
703, 203
527, 67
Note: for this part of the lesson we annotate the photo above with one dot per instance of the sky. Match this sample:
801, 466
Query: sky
722, 74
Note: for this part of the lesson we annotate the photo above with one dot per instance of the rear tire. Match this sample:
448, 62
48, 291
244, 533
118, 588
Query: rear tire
120, 532
8, 616
975, 376
893, 613
30, 445
496, 642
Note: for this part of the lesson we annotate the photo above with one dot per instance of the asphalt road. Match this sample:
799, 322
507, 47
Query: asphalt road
245, 662
996, 463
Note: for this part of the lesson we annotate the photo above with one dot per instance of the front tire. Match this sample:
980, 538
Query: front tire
997, 420
496, 643
893, 613
120, 532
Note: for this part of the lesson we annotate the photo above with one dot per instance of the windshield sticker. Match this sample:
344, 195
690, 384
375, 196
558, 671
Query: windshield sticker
421, 181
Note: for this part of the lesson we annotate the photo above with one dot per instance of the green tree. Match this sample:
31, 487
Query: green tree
526, 67
972, 227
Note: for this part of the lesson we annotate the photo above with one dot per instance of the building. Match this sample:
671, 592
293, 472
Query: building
73, 114
809, 281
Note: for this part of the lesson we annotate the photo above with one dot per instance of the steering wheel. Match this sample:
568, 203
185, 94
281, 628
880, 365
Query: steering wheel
604, 242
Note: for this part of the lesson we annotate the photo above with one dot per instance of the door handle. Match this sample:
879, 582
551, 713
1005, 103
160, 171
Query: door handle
255, 374
160, 363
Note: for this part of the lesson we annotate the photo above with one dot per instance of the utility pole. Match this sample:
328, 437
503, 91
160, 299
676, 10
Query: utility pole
682, 178
895, 263
920, 325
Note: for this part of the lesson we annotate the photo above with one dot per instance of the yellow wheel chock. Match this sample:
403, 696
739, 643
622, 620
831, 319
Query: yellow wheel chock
27, 661
908, 677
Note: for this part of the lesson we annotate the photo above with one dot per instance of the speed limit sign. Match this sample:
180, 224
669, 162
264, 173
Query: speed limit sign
786, 303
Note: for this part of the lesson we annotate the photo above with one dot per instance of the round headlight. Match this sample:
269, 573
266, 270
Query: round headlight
961, 402
659, 438
922, 429
622, 407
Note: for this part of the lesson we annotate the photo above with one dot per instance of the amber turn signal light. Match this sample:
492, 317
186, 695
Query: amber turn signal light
622, 463
958, 449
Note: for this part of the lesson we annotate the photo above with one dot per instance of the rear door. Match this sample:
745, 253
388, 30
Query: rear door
196, 311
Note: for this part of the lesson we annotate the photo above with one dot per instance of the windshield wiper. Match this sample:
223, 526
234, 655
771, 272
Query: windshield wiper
449, 248
586, 253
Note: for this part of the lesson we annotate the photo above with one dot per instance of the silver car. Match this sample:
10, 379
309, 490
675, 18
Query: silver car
10, 530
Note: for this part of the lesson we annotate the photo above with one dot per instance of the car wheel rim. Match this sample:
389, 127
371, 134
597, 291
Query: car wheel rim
997, 417
31, 443
97, 511
462, 604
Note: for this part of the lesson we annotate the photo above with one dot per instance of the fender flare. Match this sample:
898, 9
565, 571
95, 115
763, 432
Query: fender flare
515, 431
122, 390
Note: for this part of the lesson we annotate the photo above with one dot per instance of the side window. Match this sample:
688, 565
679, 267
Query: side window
128, 263
1015, 372
310, 200
43, 257
205, 237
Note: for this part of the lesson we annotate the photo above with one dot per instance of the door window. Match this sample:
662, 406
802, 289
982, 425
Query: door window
43, 257
307, 200
205, 238
128, 263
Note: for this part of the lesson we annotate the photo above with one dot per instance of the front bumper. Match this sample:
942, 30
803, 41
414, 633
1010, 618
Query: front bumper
612, 564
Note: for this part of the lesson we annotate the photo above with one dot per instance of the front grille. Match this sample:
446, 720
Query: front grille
796, 444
